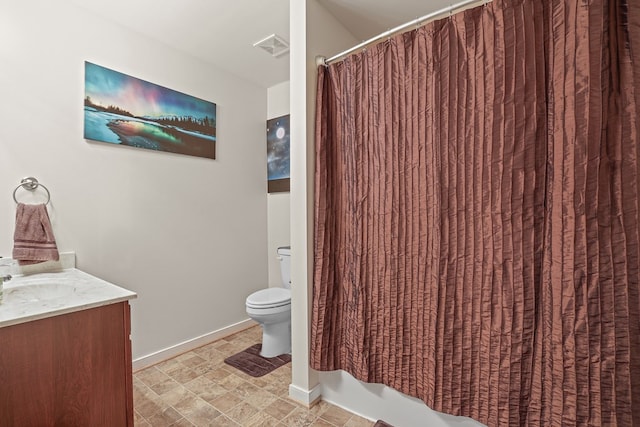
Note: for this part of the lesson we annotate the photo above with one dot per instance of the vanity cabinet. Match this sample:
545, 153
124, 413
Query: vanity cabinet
68, 370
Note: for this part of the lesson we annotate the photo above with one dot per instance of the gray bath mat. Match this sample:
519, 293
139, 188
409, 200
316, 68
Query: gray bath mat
251, 363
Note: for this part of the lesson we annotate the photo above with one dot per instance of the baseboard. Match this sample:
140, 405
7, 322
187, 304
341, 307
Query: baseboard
306, 397
183, 347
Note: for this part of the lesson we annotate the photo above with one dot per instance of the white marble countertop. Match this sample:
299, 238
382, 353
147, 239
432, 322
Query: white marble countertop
47, 294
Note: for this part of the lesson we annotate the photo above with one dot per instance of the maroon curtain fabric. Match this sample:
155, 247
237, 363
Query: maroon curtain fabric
476, 234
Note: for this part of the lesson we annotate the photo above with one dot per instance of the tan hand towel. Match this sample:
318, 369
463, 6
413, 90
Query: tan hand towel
33, 240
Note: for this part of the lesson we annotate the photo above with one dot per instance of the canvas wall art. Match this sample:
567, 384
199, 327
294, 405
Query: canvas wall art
278, 154
124, 110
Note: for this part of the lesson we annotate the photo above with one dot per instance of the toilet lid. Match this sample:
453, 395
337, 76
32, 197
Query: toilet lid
269, 297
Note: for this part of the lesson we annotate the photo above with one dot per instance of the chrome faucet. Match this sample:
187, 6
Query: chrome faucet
4, 278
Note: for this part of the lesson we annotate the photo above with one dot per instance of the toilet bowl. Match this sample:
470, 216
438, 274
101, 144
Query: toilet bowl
271, 308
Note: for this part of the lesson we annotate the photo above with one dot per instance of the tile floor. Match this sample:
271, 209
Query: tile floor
198, 389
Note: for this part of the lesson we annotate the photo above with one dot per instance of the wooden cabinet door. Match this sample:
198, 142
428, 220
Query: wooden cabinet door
68, 370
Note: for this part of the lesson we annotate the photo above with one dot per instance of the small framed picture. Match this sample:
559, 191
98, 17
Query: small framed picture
278, 164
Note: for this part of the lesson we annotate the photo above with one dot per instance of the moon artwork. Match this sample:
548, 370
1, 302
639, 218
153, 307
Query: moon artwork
278, 164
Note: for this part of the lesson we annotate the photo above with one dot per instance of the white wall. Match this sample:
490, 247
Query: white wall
278, 204
326, 37
313, 32
188, 234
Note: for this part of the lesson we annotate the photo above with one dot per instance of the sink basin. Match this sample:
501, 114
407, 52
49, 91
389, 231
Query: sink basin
39, 292
40, 295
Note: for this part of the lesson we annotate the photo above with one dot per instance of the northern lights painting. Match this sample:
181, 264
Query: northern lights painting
278, 154
120, 109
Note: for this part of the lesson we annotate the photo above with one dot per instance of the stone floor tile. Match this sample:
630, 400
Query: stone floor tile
165, 418
198, 389
225, 402
279, 409
262, 420
299, 417
336, 416
241, 413
151, 376
356, 421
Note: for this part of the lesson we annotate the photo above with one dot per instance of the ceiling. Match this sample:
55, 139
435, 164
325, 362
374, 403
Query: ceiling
368, 18
223, 32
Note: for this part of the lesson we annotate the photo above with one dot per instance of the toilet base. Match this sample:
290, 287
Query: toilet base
276, 339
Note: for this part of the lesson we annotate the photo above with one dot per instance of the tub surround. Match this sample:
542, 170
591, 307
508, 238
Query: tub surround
55, 289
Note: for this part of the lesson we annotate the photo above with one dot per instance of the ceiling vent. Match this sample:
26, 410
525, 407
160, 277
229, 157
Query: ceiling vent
274, 45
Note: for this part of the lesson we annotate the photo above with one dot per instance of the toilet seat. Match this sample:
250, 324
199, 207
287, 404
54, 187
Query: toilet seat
269, 298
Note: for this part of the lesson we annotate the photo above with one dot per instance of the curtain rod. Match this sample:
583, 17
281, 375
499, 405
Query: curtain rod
415, 22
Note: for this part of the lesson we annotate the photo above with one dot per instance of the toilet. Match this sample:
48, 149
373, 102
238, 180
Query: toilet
271, 308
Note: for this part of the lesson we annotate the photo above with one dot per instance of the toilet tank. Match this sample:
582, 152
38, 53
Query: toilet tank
284, 255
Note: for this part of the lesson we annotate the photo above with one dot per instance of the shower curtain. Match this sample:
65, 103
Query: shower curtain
476, 214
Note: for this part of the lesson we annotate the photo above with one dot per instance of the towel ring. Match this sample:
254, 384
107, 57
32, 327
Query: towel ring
30, 184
